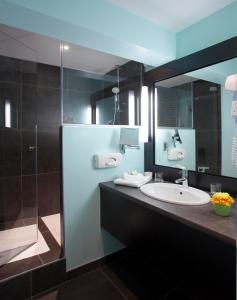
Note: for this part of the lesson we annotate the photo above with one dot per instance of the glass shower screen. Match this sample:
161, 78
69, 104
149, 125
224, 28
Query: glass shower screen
18, 148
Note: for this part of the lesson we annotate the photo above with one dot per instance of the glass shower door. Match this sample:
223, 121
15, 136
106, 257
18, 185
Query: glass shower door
18, 148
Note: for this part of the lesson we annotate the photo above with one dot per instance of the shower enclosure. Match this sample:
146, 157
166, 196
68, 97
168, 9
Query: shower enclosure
18, 148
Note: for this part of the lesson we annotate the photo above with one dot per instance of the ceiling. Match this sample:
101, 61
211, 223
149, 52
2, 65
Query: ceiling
26, 45
174, 15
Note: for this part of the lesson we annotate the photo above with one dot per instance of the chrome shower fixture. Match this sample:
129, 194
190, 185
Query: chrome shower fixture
115, 90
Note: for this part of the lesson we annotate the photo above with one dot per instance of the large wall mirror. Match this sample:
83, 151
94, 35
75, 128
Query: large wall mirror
196, 120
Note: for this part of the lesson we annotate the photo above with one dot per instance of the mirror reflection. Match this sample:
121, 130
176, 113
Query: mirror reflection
100, 88
195, 120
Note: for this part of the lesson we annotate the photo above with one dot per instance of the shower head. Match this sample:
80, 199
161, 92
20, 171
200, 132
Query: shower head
115, 90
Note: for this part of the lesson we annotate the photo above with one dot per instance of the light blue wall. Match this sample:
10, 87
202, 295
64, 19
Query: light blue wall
120, 33
95, 24
84, 240
209, 31
188, 143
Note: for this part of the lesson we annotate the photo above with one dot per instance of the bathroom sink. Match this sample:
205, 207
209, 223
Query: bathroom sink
175, 193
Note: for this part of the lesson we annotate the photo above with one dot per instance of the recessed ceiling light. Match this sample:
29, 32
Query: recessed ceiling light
65, 47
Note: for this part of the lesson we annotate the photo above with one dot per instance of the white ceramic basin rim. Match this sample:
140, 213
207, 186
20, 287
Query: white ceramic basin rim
175, 193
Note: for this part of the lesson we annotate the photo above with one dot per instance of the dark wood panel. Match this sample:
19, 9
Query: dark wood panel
142, 228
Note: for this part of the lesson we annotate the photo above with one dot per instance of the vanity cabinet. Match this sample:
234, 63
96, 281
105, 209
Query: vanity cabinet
197, 243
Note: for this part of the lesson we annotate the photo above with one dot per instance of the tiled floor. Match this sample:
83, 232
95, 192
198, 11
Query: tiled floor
128, 278
90, 286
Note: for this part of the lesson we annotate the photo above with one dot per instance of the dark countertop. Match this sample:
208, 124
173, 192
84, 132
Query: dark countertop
201, 217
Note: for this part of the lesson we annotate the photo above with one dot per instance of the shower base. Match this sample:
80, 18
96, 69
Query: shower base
53, 224
17, 240
46, 250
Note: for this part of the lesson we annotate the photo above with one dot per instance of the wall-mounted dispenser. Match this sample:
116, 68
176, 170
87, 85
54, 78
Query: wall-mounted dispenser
109, 160
129, 137
176, 154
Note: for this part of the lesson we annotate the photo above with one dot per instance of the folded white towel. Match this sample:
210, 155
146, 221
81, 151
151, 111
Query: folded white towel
133, 180
128, 176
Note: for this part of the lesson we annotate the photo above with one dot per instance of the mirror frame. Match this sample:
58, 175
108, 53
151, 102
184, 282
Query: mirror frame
212, 55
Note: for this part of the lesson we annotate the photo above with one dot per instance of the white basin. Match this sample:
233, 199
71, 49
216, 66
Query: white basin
175, 193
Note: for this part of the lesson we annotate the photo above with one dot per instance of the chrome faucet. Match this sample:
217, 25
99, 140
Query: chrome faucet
183, 179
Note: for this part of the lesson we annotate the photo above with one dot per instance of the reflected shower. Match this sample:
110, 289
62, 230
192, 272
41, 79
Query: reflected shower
115, 91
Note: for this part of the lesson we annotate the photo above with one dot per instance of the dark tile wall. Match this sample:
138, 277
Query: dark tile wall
130, 79
34, 91
48, 276
83, 89
16, 288
49, 193
38, 279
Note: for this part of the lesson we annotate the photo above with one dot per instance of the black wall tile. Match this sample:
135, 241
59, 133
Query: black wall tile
2, 202
12, 196
29, 107
130, 69
29, 200
49, 193
148, 156
34, 90
16, 288
49, 276
29, 72
2, 152
11, 152
28, 152
48, 151
11, 201
10, 69
48, 108
48, 76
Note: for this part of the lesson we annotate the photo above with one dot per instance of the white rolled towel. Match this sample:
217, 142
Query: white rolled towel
133, 180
